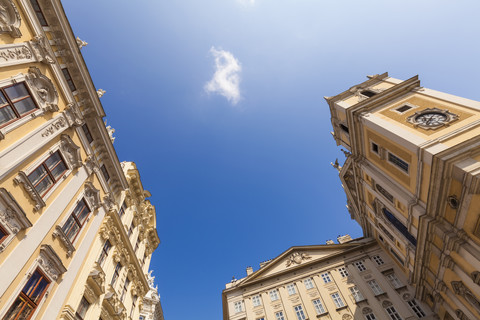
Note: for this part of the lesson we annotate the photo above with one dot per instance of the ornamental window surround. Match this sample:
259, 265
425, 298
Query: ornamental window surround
82, 309
76, 220
291, 289
308, 283
256, 301
273, 295
15, 102
416, 308
12, 218
48, 173
299, 312
337, 300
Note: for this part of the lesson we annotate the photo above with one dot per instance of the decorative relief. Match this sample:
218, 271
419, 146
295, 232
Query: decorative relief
100, 92
92, 195
105, 315
54, 127
81, 43
109, 203
68, 313
460, 289
12, 217
43, 88
406, 296
297, 258
90, 295
453, 201
475, 277
9, 19
15, 52
43, 50
50, 262
22, 179
346, 317
459, 313
91, 165
58, 233
73, 114
367, 310
70, 151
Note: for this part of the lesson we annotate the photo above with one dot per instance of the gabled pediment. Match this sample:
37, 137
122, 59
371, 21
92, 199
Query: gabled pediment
347, 176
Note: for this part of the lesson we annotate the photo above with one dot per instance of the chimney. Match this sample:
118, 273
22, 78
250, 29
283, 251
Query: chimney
249, 271
330, 242
344, 239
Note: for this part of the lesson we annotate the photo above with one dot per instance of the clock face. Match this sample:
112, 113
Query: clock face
431, 119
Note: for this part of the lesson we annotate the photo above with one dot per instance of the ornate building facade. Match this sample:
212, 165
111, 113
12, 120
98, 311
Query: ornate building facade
412, 180
76, 229
355, 279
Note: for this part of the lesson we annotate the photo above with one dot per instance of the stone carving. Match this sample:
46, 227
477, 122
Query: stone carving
50, 262
89, 294
346, 317
110, 131
406, 296
16, 53
58, 233
43, 88
475, 277
54, 126
9, 19
70, 151
108, 202
68, 313
96, 279
81, 43
12, 217
91, 165
297, 258
386, 304
460, 289
367, 310
22, 179
100, 92
42, 50
459, 313
92, 195
73, 114
105, 315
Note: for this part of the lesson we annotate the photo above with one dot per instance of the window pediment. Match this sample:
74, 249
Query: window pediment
12, 216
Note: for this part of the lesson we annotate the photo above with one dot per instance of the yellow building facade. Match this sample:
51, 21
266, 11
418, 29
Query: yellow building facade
412, 180
76, 229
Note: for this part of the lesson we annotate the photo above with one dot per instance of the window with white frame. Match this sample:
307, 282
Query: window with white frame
416, 308
82, 309
396, 283
337, 300
375, 287
378, 260
15, 102
399, 163
343, 272
299, 312
76, 220
319, 308
360, 266
279, 315
326, 277
356, 294
392, 312
370, 316
291, 289
308, 283
256, 301
48, 173
238, 306
274, 295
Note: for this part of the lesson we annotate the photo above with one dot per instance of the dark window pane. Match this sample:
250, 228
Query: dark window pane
59, 170
37, 175
53, 160
44, 185
3, 234
25, 106
88, 135
15, 309
3, 100
41, 287
83, 213
17, 91
368, 93
400, 226
68, 227
6, 114
38, 11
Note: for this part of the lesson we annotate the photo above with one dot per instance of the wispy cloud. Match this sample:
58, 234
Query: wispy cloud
226, 79
246, 2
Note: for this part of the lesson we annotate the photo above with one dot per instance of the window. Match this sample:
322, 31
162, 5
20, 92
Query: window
397, 256
238, 306
403, 108
256, 301
396, 283
299, 312
360, 266
319, 308
3, 234
393, 313
326, 277
375, 287
308, 283
15, 103
357, 295
343, 272
125, 288
29, 298
398, 162
378, 260
261, 318
384, 192
130, 230
337, 300
77, 219
38, 12
48, 173
134, 303
87, 133
291, 289
121, 212
137, 244
279, 316
82, 309
399, 226
104, 254
105, 172
375, 147
67, 76
116, 273
368, 93
344, 127
370, 316
274, 295
416, 308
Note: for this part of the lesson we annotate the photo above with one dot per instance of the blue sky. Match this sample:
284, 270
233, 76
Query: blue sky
241, 172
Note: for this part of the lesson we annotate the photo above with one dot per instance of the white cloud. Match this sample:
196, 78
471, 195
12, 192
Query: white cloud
246, 2
226, 79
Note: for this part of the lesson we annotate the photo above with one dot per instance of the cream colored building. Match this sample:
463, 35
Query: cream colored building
351, 280
76, 230
152, 308
412, 179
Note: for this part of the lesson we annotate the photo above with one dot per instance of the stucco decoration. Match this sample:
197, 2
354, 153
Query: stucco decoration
92, 195
459, 313
55, 126
9, 19
105, 315
91, 165
96, 279
81, 43
73, 114
43, 89
42, 50
68, 313
12, 217
346, 317
460, 289
50, 262
22, 179
366, 310
89, 294
386, 304
11, 54
101, 92
475, 277
297, 258
60, 234
70, 151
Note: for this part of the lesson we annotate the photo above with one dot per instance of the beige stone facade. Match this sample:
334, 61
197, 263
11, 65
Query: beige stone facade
351, 280
76, 228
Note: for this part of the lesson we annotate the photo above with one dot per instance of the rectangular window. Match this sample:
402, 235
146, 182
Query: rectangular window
274, 295
130, 230
15, 103
3, 234
403, 108
399, 226
87, 133
82, 309
279, 316
386, 232
125, 289
77, 219
396, 283
337, 300
291, 289
256, 301
360, 266
29, 298
368, 93
238, 306
393, 313
370, 316
299, 312
137, 244
384, 192
308, 283
375, 147
121, 212
105, 172
375, 287
319, 308
378, 260
356, 294
398, 162
326, 277
397, 256
69, 79
104, 254
48, 173
343, 272
39, 13
116, 273
134, 304
416, 308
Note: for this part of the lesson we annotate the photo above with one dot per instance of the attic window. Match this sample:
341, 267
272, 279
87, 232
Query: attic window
368, 93
344, 127
403, 108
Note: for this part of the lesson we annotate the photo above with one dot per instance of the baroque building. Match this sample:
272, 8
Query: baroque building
354, 279
152, 308
412, 180
77, 231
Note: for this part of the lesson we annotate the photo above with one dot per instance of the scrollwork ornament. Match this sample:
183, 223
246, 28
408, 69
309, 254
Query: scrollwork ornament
43, 88
42, 50
9, 19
